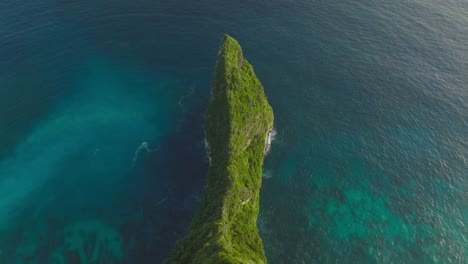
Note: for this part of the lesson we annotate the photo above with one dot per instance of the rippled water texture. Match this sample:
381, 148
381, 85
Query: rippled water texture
101, 127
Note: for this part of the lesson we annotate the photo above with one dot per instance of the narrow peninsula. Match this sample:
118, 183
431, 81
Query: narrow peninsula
238, 123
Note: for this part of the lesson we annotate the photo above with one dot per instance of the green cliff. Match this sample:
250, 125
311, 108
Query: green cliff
239, 118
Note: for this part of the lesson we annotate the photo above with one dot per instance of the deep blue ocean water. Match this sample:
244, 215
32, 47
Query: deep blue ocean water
102, 109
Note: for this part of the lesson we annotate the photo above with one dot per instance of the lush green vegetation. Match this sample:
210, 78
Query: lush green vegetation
224, 230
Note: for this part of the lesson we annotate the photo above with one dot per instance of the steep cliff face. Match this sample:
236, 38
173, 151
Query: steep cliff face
239, 118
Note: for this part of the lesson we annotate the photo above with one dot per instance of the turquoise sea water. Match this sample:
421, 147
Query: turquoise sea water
101, 127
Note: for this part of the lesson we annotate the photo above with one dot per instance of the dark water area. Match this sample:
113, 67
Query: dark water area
102, 109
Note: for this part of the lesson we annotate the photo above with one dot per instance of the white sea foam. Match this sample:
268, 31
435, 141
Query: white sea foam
207, 149
143, 147
267, 174
270, 138
187, 95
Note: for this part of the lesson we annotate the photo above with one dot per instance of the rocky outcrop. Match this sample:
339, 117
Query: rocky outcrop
238, 123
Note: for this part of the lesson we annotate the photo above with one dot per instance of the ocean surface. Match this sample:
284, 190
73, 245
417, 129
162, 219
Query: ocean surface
102, 108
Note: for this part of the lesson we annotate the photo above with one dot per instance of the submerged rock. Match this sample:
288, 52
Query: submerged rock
89, 242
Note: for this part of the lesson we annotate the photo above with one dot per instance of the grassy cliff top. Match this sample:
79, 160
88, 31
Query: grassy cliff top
224, 230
